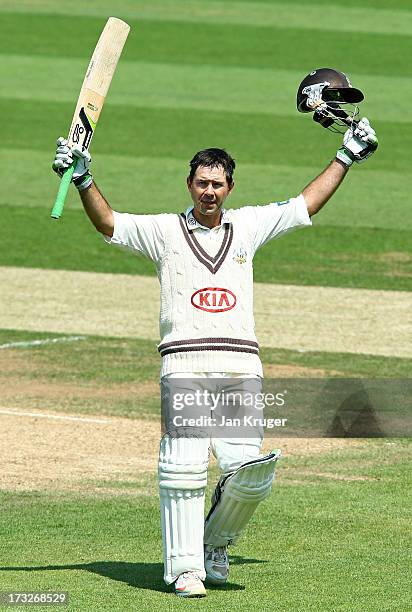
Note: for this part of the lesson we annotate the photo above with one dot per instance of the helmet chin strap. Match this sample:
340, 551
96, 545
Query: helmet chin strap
329, 114
335, 118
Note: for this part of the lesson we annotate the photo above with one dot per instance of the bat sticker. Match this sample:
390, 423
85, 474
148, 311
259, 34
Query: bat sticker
87, 129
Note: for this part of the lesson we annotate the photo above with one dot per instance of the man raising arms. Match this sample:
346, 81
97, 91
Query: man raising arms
209, 246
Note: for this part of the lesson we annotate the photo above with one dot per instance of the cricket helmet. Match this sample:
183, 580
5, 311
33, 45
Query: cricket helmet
336, 88
323, 92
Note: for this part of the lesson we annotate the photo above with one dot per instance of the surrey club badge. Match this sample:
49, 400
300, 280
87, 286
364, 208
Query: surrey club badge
240, 255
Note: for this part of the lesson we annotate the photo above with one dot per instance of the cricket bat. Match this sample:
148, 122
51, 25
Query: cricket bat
93, 93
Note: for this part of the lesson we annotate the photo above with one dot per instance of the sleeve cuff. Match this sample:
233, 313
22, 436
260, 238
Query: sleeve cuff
302, 213
115, 239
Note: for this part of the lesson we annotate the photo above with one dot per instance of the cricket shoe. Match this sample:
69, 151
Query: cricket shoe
189, 585
216, 564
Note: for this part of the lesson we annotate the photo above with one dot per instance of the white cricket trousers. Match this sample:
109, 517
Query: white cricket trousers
183, 463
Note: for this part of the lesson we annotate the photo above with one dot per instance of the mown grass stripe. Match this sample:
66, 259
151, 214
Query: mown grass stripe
373, 199
173, 86
148, 132
340, 18
381, 4
360, 257
95, 361
195, 43
126, 8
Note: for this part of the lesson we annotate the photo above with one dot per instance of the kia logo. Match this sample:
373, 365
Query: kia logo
213, 299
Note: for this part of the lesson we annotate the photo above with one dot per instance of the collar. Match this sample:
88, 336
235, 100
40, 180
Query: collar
193, 224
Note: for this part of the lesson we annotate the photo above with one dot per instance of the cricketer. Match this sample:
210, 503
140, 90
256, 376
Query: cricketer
203, 258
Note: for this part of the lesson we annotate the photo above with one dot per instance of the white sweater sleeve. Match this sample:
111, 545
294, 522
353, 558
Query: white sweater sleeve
142, 234
274, 220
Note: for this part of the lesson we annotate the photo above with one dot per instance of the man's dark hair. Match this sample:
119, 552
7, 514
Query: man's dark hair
212, 158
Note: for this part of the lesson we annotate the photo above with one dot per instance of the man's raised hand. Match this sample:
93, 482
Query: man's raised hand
64, 158
358, 144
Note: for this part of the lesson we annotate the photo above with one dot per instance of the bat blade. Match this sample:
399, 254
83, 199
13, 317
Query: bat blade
93, 93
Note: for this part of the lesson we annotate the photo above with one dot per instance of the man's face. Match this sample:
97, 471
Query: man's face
209, 189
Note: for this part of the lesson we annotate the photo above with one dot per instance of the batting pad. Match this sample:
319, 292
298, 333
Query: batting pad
236, 498
182, 481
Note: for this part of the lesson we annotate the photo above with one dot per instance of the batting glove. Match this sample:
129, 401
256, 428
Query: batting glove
358, 144
65, 156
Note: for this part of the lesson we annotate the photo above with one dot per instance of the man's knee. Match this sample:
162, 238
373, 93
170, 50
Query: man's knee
232, 453
183, 463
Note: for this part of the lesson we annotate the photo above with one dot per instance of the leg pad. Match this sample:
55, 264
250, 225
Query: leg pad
236, 498
182, 481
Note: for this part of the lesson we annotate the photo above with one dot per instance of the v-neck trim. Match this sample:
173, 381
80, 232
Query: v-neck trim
211, 263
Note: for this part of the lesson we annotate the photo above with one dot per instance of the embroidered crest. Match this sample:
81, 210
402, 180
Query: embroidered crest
240, 255
191, 221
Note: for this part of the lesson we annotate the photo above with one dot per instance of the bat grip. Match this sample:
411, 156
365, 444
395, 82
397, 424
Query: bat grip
57, 210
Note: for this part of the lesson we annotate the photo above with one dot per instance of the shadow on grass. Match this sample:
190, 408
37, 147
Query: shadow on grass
139, 575
236, 560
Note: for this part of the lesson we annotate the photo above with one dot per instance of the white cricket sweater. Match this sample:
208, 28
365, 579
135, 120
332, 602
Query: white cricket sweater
206, 281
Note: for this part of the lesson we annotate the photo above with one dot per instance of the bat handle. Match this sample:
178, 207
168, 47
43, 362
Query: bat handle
57, 210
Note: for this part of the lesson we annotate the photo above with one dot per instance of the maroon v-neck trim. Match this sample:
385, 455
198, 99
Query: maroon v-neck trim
211, 263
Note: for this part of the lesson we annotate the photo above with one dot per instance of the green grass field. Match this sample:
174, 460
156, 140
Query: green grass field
334, 541
192, 77
334, 534
110, 363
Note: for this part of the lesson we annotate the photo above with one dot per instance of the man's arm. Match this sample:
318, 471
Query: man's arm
359, 143
322, 188
98, 209
95, 204
144, 234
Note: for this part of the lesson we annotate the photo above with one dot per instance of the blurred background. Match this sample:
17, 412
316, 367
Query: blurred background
196, 74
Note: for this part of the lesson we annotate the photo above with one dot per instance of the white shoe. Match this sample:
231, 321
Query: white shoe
216, 564
189, 585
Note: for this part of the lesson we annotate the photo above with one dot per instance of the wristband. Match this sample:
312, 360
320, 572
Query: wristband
345, 156
83, 182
